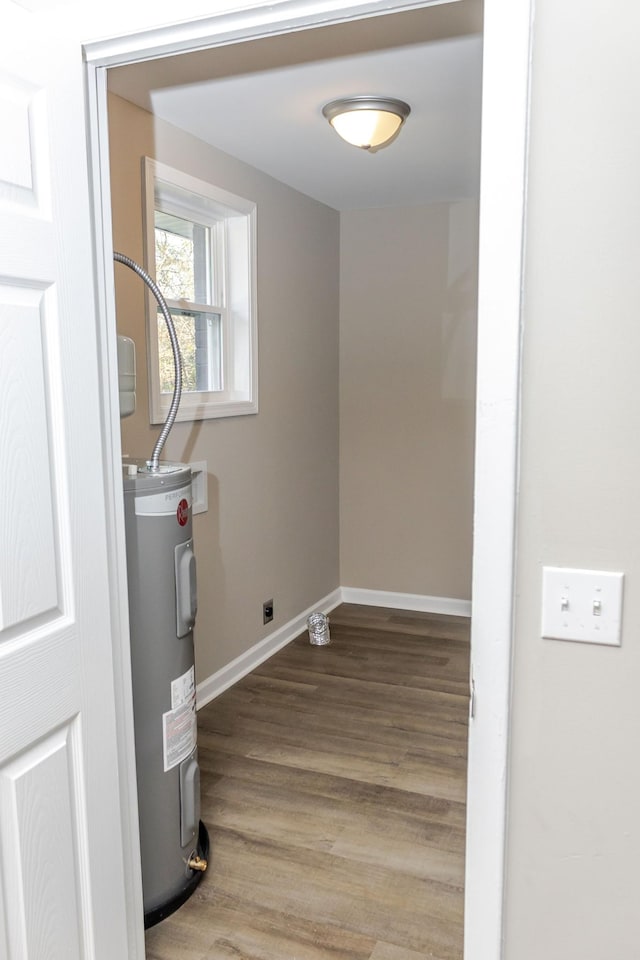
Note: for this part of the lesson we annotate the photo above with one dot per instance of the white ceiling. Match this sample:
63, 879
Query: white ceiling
261, 102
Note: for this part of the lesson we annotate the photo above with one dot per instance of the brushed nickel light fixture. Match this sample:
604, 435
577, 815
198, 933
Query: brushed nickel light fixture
367, 122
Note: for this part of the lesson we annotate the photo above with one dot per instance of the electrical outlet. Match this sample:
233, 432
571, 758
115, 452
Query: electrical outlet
199, 495
267, 611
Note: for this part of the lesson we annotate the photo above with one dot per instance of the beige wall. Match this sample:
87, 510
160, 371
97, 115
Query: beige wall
272, 525
407, 361
574, 837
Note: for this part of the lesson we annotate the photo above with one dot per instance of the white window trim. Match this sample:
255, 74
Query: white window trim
238, 314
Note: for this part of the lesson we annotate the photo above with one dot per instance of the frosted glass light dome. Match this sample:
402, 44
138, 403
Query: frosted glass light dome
367, 122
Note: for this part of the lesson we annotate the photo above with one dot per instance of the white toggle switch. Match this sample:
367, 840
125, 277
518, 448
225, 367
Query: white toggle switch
583, 605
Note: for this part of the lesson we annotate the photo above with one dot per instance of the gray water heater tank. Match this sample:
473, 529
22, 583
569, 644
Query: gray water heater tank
161, 577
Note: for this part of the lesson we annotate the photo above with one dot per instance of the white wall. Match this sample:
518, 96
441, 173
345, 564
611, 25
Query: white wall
574, 841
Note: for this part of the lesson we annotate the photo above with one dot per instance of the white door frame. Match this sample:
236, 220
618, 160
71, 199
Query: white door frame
502, 210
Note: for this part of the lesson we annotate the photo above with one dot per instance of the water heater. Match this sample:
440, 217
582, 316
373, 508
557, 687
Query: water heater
161, 575
161, 581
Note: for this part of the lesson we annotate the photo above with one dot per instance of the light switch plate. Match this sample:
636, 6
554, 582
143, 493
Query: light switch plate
582, 605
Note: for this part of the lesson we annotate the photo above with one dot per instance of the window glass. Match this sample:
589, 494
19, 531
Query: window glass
175, 274
199, 336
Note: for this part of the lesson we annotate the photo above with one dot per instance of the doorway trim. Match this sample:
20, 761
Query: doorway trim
502, 218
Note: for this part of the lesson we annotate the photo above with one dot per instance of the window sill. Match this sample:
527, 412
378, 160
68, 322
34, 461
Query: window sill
189, 411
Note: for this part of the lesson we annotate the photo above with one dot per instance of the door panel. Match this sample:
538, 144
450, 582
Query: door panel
24, 162
61, 836
29, 568
47, 843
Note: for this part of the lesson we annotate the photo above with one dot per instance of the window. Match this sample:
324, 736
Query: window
200, 249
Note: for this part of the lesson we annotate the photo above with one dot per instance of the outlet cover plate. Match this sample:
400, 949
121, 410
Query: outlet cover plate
582, 605
199, 491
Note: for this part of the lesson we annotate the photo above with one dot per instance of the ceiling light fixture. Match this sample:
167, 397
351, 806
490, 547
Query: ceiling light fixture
367, 122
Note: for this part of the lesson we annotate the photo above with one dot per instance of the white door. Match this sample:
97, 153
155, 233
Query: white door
62, 878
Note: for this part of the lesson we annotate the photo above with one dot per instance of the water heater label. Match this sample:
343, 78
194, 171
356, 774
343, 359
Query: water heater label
163, 504
183, 690
179, 723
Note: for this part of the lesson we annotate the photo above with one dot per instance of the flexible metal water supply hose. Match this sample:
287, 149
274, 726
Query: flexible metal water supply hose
153, 463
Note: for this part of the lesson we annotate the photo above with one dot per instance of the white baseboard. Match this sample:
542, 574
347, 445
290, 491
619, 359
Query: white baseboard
407, 601
219, 681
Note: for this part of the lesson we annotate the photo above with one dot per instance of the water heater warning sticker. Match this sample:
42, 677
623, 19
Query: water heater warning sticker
179, 723
183, 689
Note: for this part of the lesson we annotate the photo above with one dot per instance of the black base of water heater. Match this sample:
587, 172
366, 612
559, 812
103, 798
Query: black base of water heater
166, 909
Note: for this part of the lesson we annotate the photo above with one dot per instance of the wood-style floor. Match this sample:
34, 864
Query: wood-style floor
333, 789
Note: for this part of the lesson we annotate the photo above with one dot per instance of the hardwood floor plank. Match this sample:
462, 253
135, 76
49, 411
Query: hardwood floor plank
357, 650
308, 718
389, 951
366, 899
336, 825
250, 735
368, 720
407, 622
369, 798
179, 938
333, 788
241, 930
408, 670
370, 693
276, 814
421, 861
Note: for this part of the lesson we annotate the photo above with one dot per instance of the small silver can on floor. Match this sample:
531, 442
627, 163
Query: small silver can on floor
318, 624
